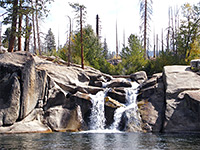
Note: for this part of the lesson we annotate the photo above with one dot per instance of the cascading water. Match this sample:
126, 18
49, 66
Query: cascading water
97, 118
131, 97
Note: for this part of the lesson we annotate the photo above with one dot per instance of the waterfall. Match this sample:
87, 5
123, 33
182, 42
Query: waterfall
131, 103
97, 118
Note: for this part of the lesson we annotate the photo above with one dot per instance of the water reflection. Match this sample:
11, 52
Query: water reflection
102, 141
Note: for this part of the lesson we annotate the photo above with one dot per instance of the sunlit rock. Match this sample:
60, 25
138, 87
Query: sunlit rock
139, 77
62, 119
118, 82
32, 81
112, 103
180, 114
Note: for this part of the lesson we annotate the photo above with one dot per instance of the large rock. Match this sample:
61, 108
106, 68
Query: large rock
130, 121
33, 123
139, 77
178, 79
180, 115
26, 127
63, 75
9, 99
118, 82
55, 96
195, 65
152, 104
32, 81
120, 97
109, 102
62, 119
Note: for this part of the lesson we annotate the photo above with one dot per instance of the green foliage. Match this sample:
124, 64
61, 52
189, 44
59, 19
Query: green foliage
95, 53
132, 56
164, 59
188, 34
92, 47
77, 7
6, 37
105, 49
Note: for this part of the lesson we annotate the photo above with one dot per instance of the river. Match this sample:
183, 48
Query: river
99, 141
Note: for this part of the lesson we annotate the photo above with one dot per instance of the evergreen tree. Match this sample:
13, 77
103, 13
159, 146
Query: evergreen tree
12, 9
50, 41
132, 55
6, 37
15, 9
105, 49
189, 32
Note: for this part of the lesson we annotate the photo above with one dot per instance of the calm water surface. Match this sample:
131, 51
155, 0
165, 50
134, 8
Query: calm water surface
99, 141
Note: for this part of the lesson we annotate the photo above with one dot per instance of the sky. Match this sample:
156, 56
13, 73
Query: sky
125, 13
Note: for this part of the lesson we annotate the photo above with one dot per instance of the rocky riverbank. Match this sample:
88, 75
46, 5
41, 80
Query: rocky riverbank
169, 101
43, 94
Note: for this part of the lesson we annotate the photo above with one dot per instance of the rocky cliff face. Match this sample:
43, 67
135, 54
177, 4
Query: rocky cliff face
169, 102
44, 95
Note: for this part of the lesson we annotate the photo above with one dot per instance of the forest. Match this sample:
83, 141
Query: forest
85, 47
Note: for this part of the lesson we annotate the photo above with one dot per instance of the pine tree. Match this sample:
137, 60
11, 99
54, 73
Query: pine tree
80, 9
50, 41
15, 9
105, 49
6, 37
12, 11
188, 33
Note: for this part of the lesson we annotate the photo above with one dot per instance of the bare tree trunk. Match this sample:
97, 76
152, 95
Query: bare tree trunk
38, 30
173, 38
168, 33
188, 39
162, 42
82, 60
157, 50
145, 30
117, 43
34, 35
97, 26
20, 27
154, 46
14, 26
176, 27
28, 33
0, 35
69, 48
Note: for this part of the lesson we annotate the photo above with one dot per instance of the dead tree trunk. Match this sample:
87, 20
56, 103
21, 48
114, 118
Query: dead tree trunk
97, 26
145, 30
162, 42
81, 22
69, 48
